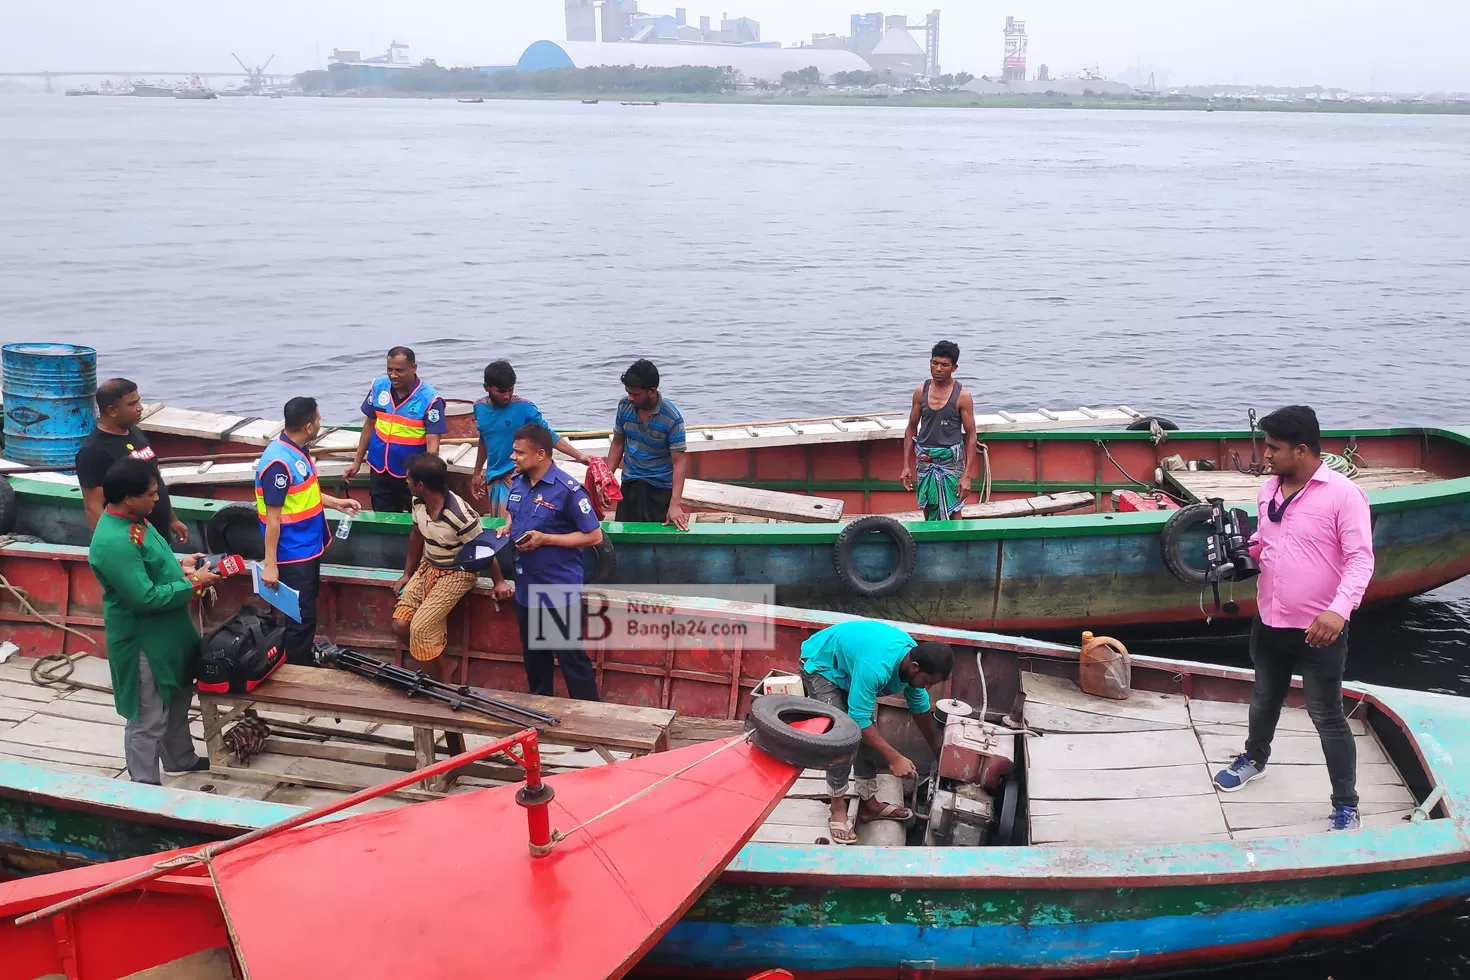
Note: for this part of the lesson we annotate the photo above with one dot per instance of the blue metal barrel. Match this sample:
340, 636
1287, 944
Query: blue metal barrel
49, 396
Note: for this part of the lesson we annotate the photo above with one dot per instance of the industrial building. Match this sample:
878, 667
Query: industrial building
888, 45
612, 21
365, 72
754, 62
882, 44
1013, 80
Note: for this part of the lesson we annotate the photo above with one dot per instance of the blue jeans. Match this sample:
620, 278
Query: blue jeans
1279, 653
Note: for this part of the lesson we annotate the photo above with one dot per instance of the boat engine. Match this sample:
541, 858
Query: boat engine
973, 783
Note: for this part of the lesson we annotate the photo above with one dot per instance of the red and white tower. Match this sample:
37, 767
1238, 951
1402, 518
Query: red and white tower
1014, 68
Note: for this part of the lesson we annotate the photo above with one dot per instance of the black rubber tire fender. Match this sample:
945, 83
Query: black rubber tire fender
1171, 540
1007, 827
1141, 425
847, 541
770, 722
9, 507
600, 562
235, 530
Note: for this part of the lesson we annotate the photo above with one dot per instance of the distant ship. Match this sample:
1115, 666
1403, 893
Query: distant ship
195, 93
151, 91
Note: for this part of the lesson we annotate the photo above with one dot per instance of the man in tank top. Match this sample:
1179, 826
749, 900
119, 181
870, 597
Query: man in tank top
939, 443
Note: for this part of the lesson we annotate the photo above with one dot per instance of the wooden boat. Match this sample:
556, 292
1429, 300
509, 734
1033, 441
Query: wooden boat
1053, 548
215, 911
1122, 855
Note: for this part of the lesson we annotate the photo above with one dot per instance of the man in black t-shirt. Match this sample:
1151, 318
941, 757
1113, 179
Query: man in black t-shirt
116, 434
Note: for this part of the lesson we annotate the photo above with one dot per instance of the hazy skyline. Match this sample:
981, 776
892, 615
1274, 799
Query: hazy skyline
1417, 45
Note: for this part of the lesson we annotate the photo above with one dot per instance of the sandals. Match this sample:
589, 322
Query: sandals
837, 828
888, 811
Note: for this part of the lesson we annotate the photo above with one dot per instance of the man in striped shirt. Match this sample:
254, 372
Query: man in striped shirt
648, 442
431, 586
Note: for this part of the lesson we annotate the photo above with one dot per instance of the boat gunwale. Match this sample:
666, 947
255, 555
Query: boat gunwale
1395, 499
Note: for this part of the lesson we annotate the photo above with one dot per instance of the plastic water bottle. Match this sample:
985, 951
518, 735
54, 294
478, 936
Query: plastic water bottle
344, 527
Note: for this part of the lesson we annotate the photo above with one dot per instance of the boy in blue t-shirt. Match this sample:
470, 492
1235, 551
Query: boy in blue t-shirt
498, 415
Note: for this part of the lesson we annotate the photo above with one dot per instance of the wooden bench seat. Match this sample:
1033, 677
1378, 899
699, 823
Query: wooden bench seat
314, 691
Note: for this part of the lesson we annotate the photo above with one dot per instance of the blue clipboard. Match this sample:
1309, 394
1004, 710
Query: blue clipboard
283, 597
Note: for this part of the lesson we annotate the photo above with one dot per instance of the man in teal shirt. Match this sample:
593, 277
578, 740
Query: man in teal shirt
850, 666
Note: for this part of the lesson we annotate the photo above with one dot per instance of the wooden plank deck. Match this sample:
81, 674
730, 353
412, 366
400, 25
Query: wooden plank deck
1137, 771
1141, 770
1240, 489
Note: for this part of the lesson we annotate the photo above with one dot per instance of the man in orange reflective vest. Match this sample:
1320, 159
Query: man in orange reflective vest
404, 417
290, 505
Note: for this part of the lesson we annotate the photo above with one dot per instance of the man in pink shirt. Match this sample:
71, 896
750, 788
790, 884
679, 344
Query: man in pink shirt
1314, 541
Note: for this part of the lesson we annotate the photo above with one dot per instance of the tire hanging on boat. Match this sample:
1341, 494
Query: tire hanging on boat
9, 507
769, 721
1171, 542
599, 562
847, 541
1142, 425
235, 530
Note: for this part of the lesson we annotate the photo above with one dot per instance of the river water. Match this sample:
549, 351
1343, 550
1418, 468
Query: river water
774, 262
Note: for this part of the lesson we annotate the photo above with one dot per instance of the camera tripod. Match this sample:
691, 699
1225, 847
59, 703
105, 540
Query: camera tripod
416, 683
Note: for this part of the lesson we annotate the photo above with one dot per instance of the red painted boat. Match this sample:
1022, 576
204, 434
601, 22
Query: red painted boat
617, 853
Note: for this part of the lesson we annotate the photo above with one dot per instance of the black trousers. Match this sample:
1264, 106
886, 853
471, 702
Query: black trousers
306, 578
389, 494
642, 501
1279, 653
576, 666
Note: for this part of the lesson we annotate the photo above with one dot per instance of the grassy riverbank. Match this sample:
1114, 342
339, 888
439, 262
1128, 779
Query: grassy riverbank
944, 100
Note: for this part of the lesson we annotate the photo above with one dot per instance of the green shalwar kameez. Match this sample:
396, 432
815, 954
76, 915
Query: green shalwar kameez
145, 609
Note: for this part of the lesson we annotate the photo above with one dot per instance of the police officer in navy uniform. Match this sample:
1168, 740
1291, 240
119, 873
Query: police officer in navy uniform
404, 416
551, 521
290, 506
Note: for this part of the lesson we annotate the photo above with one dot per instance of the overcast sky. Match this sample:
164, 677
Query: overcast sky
1408, 45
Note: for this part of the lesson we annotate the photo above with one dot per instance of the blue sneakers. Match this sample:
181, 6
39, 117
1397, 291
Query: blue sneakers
1344, 818
1241, 771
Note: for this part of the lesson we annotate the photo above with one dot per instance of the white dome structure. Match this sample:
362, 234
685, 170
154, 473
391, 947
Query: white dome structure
754, 62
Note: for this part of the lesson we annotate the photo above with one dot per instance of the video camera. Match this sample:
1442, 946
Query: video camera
1228, 550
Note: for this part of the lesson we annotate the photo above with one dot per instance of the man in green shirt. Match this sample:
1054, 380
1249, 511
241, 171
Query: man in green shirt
850, 666
151, 639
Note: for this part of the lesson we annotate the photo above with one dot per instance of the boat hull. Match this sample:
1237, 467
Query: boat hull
890, 929
883, 934
876, 913
1023, 575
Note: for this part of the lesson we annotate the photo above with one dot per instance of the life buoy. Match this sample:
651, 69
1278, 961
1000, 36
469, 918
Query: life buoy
770, 720
1171, 542
9, 507
847, 541
235, 530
